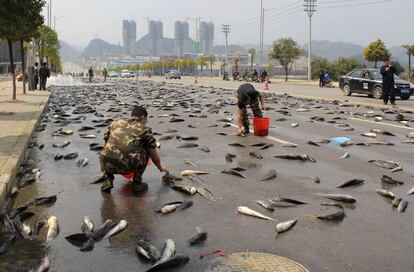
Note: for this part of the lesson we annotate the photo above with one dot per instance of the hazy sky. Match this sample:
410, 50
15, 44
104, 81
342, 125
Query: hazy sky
78, 21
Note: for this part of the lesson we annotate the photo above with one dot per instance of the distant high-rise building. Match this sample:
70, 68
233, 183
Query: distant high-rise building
207, 37
155, 32
129, 36
181, 35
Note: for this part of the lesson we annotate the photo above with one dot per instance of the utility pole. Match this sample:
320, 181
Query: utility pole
197, 21
262, 42
310, 6
226, 30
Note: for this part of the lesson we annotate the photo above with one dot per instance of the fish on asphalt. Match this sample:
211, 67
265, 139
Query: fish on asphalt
47, 200
89, 223
266, 146
237, 145
187, 145
238, 169
389, 180
394, 166
100, 233
172, 206
337, 216
205, 149
37, 227
250, 212
167, 251
271, 174
344, 156
6, 245
85, 128
285, 226
193, 172
82, 163
302, 157
351, 182
313, 143
170, 179
96, 147
385, 193
43, 266
17, 211
190, 163
190, 138
71, 156
294, 125
166, 137
61, 145
176, 120
411, 191
292, 202
205, 193
147, 251
339, 197
265, 204
171, 262
382, 132
229, 157
87, 136
255, 155
369, 134
199, 237
53, 228
190, 190
234, 173
402, 206
118, 228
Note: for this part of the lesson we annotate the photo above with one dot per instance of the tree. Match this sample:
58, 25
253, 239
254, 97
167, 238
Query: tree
410, 52
211, 60
343, 65
202, 61
252, 53
376, 51
47, 45
319, 65
398, 67
286, 51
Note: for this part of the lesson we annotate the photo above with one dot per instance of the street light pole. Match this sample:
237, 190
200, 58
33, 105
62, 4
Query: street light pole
310, 6
261, 32
226, 30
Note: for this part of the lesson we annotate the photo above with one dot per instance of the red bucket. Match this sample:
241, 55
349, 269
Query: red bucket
261, 126
130, 175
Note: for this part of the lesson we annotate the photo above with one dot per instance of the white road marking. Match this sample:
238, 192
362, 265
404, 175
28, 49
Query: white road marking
381, 123
271, 137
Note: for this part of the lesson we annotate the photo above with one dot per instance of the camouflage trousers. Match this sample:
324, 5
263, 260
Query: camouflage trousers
111, 166
255, 106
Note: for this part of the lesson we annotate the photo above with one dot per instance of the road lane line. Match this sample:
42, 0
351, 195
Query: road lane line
382, 123
281, 141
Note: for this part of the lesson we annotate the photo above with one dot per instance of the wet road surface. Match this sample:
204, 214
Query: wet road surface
372, 236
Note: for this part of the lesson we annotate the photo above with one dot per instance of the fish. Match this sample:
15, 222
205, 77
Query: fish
395, 202
191, 190
313, 143
402, 206
250, 212
266, 146
265, 205
193, 172
271, 174
286, 225
351, 182
255, 155
289, 145
198, 238
17, 211
62, 145
394, 166
222, 133
85, 128
385, 193
287, 200
103, 230
190, 138
53, 230
258, 145
58, 157
389, 180
174, 261
339, 197
410, 135
43, 201
87, 136
25, 216
206, 193
380, 143
147, 250
411, 191
166, 137
118, 228
234, 173
170, 130
191, 163
43, 266
302, 157
187, 145
229, 157
99, 179
37, 227
168, 251
176, 120
172, 206
89, 223
238, 169
6, 245
347, 143
88, 245
369, 134
382, 132
237, 145
344, 156
170, 179
71, 156
205, 149
337, 216
316, 179
294, 125
82, 163
96, 147
78, 239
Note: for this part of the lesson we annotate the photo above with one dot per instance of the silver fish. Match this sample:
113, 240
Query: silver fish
271, 174
254, 154
118, 228
344, 156
191, 190
199, 237
192, 172
385, 193
389, 180
351, 182
187, 145
285, 226
89, 223
411, 191
53, 230
402, 206
147, 250
190, 163
339, 197
168, 251
234, 173
265, 205
250, 212
206, 193
82, 163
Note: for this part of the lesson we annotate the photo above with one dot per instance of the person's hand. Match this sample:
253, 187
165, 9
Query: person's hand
165, 170
239, 131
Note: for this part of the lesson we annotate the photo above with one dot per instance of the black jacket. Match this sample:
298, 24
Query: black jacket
44, 72
388, 76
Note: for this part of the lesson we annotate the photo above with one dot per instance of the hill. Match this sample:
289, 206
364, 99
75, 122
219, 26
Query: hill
99, 48
68, 52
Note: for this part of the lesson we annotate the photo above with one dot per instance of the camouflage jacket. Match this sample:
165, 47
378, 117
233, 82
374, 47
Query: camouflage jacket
127, 142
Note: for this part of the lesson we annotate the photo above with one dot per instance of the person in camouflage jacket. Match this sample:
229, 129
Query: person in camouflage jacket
128, 146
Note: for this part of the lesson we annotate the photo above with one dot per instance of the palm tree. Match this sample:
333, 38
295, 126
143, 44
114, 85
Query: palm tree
202, 62
410, 51
252, 53
211, 59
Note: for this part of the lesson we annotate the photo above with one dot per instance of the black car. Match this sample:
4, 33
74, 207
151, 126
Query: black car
369, 81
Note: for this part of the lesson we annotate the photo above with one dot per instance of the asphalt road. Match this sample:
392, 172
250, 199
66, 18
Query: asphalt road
372, 237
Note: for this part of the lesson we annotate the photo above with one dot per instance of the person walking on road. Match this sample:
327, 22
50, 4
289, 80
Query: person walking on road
387, 72
105, 74
90, 73
44, 74
128, 146
247, 95
36, 75
321, 75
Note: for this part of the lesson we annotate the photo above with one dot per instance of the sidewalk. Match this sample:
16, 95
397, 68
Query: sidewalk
17, 121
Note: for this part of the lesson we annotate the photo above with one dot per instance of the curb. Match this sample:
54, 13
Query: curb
11, 166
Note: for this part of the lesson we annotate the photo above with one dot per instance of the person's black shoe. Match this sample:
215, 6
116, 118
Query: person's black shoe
245, 131
139, 186
107, 186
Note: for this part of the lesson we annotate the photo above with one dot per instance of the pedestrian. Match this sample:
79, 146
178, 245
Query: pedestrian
128, 146
247, 95
44, 74
105, 74
263, 75
36, 75
321, 75
387, 72
90, 73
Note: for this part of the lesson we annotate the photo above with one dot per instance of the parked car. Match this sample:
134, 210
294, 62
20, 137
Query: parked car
369, 81
173, 74
113, 74
127, 74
